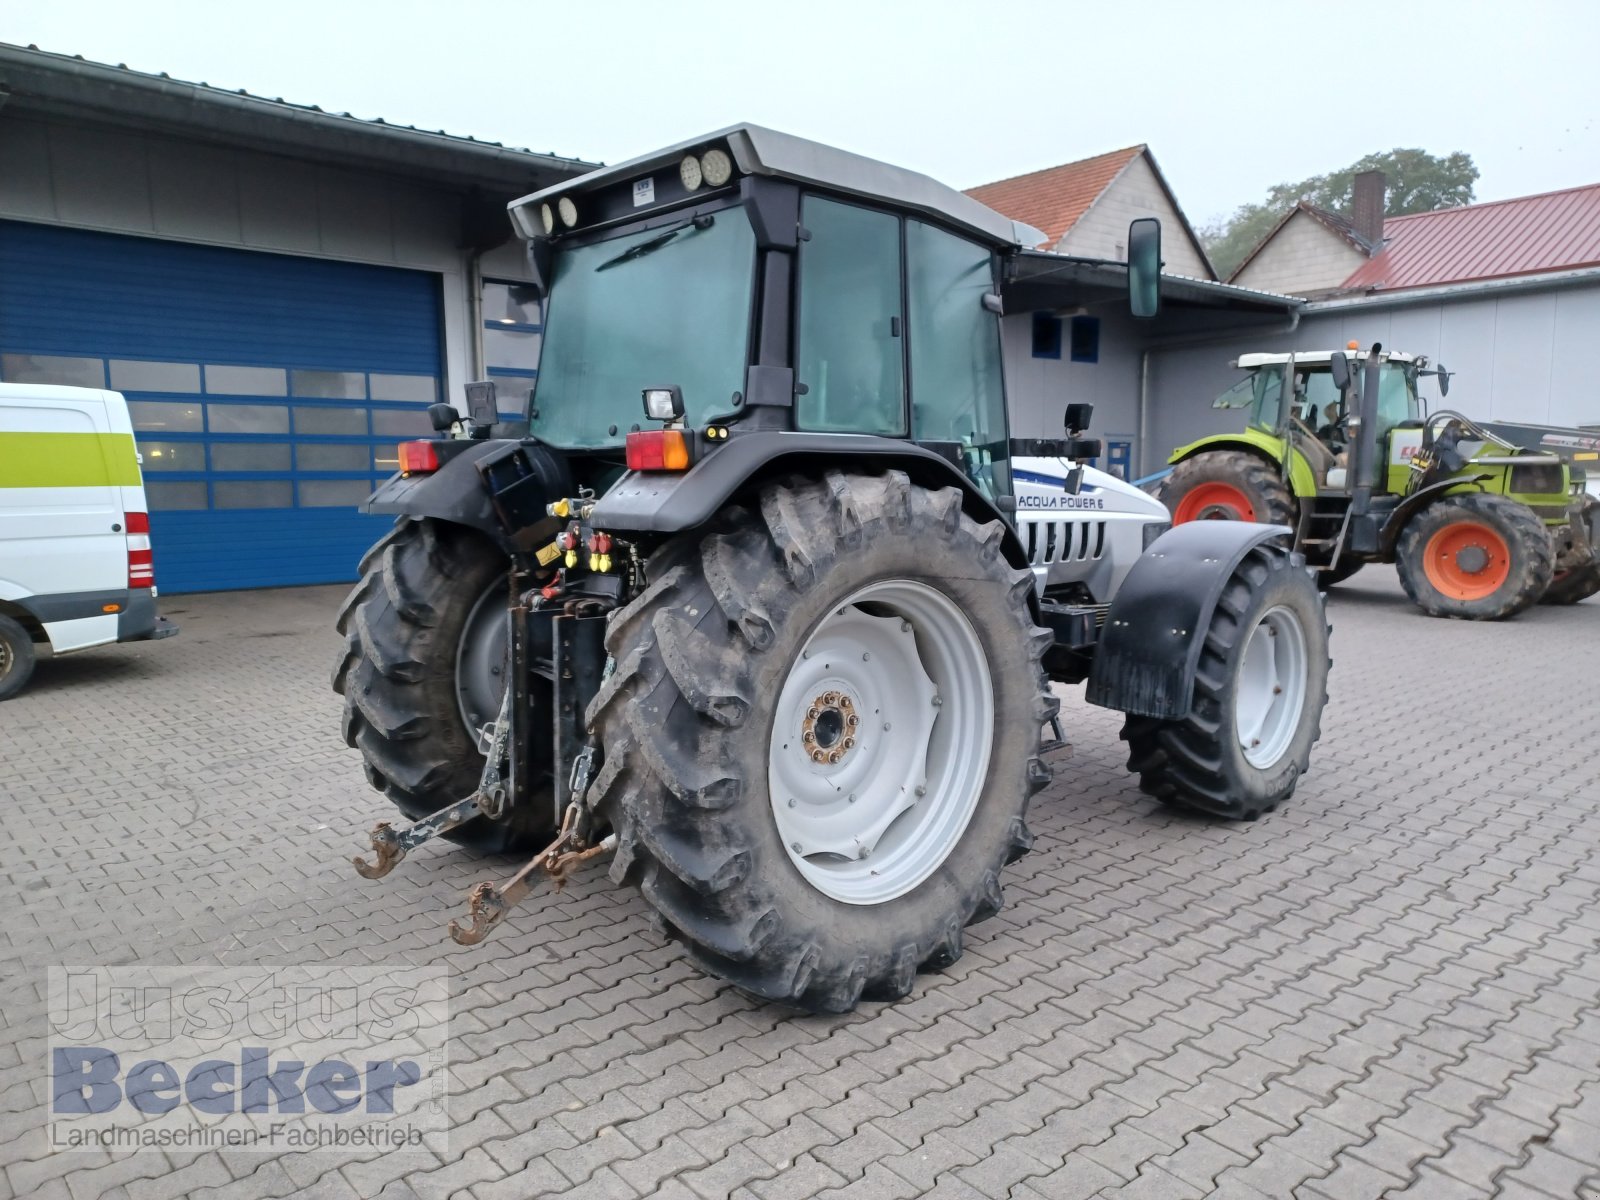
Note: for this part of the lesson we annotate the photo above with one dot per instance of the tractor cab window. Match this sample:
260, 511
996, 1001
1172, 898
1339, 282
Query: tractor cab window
1397, 398
646, 309
1261, 392
957, 393
848, 355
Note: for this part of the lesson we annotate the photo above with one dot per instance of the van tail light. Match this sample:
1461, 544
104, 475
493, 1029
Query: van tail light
658, 450
418, 458
141, 563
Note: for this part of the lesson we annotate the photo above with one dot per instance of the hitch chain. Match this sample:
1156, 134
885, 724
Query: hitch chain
489, 800
487, 902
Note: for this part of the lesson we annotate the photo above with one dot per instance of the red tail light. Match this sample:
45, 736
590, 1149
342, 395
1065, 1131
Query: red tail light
658, 450
418, 458
141, 563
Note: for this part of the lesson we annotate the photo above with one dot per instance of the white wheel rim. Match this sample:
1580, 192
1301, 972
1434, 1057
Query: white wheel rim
869, 821
1271, 690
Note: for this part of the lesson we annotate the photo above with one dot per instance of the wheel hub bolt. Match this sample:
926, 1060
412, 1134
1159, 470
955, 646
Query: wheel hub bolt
795, 846
937, 701
921, 791
792, 801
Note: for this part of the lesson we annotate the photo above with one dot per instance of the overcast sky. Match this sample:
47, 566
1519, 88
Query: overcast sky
1232, 95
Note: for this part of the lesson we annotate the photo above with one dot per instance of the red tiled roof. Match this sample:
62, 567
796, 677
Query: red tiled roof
1556, 231
1056, 198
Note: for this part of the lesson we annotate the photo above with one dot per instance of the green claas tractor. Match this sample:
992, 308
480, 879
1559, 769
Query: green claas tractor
1478, 527
763, 600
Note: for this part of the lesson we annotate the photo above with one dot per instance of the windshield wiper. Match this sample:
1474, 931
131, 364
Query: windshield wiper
655, 243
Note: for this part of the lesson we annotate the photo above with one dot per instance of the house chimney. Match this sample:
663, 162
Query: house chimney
1366, 207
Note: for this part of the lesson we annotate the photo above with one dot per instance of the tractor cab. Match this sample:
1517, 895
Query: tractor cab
1297, 397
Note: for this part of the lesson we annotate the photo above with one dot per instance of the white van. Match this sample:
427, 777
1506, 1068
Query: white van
75, 558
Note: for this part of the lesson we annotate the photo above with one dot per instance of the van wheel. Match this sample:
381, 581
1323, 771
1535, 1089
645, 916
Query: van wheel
16, 658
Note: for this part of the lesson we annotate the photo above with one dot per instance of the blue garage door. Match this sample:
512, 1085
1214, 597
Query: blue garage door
267, 391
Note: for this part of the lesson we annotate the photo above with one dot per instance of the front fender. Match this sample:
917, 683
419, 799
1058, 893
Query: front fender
1147, 655
663, 502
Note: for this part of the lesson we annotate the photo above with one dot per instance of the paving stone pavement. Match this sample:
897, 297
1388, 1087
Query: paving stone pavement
1389, 986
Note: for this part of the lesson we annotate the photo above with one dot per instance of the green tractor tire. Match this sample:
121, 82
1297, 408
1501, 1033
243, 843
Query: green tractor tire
1476, 557
1227, 485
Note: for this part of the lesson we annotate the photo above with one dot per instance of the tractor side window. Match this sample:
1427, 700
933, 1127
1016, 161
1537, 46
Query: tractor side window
957, 390
1268, 398
849, 355
1396, 398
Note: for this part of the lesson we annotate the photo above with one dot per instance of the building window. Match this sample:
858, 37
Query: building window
1046, 335
1085, 340
513, 333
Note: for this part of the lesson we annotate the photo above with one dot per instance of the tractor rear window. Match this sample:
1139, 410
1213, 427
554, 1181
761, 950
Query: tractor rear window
623, 318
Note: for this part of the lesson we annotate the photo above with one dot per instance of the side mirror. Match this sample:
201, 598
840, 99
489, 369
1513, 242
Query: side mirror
1339, 365
1078, 417
442, 416
481, 405
1444, 381
1144, 267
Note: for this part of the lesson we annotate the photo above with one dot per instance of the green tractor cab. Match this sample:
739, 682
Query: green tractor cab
1352, 461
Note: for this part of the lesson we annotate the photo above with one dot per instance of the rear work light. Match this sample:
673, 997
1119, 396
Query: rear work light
418, 458
658, 450
141, 563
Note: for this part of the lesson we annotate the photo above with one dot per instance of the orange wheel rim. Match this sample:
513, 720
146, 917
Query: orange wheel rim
1214, 502
1467, 560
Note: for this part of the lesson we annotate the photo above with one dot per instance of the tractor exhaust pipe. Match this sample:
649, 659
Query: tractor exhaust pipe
1366, 448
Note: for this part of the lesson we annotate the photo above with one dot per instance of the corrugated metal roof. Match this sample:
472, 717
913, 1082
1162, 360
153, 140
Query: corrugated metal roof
1555, 231
47, 58
1056, 198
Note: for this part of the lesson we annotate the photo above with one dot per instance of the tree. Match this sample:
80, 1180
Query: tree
1417, 182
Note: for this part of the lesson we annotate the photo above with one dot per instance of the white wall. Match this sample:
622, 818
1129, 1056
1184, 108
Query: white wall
1525, 357
147, 185
1304, 257
1038, 390
1102, 232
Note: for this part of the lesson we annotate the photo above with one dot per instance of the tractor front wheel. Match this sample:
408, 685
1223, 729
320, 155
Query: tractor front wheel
821, 736
1227, 485
1478, 557
1259, 690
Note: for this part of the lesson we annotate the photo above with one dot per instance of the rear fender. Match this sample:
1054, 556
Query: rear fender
667, 503
1302, 482
1147, 655
455, 492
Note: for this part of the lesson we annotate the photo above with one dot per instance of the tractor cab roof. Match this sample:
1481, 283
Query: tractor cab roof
659, 180
1314, 357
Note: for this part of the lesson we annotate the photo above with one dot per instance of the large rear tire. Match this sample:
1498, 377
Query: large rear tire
1227, 485
821, 736
1477, 557
1260, 687
420, 628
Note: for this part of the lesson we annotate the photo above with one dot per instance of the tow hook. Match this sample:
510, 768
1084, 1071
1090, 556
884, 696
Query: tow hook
391, 846
488, 902
489, 800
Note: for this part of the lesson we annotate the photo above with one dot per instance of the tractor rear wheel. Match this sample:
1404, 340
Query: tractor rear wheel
1477, 557
1227, 485
1259, 690
422, 671
821, 736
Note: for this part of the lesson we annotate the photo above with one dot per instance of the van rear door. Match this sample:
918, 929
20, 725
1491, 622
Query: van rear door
63, 545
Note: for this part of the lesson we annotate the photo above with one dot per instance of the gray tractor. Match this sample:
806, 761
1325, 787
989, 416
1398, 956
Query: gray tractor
764, 601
